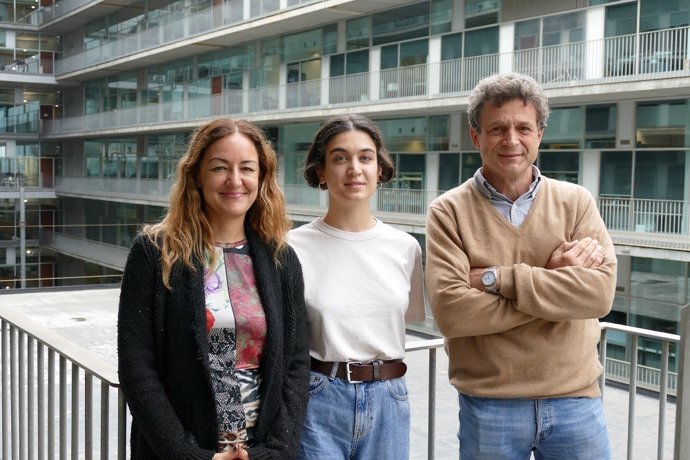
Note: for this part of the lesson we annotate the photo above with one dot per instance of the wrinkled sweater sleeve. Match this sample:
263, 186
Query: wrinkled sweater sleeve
459, 310
137, 361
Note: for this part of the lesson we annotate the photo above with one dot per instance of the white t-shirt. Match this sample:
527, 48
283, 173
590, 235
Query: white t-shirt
360, 288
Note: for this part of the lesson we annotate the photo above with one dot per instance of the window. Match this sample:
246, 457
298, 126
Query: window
663, 124
600, 126
401, 24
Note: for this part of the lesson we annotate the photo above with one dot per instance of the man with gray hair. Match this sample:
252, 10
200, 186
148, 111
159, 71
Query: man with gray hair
519, 269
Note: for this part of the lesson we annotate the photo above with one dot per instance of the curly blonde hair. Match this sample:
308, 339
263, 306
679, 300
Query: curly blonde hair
184, 233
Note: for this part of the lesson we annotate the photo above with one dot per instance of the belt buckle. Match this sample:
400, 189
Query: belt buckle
349, 371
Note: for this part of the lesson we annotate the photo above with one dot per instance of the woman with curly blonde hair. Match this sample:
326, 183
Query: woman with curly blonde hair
213, 357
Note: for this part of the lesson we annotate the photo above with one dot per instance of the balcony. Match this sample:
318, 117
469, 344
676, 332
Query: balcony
60, 393
631, 221
575, 67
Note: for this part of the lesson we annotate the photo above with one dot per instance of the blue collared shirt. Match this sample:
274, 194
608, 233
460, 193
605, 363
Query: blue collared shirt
514, 211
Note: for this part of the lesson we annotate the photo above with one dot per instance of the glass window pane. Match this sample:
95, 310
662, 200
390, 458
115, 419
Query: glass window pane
527, 34
658, 279
404, 134
337, 65
401, 24
448, 171
441, 16
563, 28
600, 126
660, 175
438, 133
471, 161
451, 47
410, 172
303, 45
615, 175
664, 14
662, 124
563, 166
358, 32
412, 53
389, 57
330, 39
481, 42
358, 62
564, 130
481, 12
620, 20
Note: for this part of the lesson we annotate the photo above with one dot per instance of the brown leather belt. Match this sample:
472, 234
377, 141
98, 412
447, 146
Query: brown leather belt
355, 371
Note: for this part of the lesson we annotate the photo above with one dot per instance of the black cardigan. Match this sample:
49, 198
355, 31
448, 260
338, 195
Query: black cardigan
163, 357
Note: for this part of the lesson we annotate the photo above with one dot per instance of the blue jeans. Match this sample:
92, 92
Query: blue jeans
511, 429
361, 421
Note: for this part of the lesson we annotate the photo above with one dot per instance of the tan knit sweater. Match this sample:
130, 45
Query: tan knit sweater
538, 338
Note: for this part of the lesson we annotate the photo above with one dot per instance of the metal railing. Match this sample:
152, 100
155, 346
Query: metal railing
634, 334
596, 61
56, 396
150, 35
645, 215
48, 408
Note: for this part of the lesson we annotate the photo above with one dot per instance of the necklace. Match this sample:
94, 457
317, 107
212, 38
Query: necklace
231, 245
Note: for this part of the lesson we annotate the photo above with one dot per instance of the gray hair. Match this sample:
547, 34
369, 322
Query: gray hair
500, 88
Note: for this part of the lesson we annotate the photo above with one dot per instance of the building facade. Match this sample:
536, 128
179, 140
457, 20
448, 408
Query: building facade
98, 100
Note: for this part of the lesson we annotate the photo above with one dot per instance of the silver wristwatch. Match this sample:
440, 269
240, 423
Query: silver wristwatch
489, 278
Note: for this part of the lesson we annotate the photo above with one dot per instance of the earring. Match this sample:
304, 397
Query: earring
323, 185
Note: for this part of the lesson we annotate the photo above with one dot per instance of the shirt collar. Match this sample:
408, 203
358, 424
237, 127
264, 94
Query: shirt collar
486, 189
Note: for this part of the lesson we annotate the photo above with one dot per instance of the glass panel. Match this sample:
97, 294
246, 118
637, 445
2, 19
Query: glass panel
330, 39
389, 57
471, 161
441, 16
481, 12
663, 124
412, 53
564, 130
658, 279
438, 129
401, 24
564, 28
563, 166
620, 20
404, 134
664, 14
600, 126
615, 175
337, 65
305, 45
660, 175
410, 173
358, 62
294, 140
451, 47
526, 34
358, 32
93, 152
448, 171
481, 42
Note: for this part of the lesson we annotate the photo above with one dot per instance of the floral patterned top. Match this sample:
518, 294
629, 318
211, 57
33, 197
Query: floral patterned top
236, 327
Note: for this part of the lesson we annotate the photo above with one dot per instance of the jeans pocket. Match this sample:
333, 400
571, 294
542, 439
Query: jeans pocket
317, 382
397, 388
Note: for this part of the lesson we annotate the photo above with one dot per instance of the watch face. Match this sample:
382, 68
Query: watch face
488, 278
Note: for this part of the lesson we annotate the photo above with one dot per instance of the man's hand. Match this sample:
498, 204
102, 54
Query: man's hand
587, 253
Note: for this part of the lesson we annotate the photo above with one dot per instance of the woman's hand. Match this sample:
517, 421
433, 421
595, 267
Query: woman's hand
236, 453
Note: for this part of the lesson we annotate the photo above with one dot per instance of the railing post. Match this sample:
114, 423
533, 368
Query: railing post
682, 443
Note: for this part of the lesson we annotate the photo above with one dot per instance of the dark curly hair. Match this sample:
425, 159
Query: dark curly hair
316, 157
